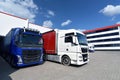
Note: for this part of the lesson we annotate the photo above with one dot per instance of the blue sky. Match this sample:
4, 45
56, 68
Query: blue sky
66, 14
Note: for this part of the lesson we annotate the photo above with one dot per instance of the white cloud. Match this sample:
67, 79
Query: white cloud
22, 8
51, 13
48, 23
113, 18
66, 23
47, 16
81, 30
118, 22
111, 10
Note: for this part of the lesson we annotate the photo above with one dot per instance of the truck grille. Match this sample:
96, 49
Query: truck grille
85, 57
84, 50
30, 56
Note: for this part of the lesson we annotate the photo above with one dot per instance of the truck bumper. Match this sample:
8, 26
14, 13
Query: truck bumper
82, 59
23, 65
79, 62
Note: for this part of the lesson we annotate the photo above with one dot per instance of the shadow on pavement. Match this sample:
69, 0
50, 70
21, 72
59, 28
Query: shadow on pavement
77, 66
71, 65
5, 70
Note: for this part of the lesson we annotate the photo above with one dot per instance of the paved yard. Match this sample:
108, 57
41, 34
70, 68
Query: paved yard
103, 65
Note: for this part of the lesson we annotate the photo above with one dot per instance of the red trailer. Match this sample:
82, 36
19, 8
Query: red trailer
49, 39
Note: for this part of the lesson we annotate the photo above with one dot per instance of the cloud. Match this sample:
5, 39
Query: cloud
21, 8
111, 10
51, 13
113, 18
66, 23
118, 22
48, 23
81, 30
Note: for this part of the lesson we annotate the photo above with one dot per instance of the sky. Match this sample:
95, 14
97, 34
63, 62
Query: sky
65, 14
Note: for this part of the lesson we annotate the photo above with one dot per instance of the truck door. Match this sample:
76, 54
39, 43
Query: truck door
70, 46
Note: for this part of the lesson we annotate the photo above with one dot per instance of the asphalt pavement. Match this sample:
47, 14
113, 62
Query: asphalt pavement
103, 65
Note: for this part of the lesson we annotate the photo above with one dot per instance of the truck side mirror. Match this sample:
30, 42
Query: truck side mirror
41, 41
74, 40
71, 39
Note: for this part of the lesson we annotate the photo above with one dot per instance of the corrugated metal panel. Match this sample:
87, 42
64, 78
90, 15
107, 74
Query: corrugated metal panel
49, 39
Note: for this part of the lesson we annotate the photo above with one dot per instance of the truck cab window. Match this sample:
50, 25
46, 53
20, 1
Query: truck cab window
82, 39
68, 39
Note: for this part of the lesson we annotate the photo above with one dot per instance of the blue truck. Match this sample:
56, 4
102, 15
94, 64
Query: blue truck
22, 47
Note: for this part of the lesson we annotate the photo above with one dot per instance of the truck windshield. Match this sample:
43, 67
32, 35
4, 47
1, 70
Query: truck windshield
81, 39
27, 40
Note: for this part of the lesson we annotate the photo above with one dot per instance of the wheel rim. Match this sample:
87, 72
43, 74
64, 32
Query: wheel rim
66, 61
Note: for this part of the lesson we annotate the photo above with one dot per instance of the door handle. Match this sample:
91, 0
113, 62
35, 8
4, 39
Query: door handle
66, 49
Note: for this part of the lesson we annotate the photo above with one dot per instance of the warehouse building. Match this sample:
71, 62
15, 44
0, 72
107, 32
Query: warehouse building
8, 21
105, 38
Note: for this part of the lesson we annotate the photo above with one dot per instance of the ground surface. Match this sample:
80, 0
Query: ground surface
103, 65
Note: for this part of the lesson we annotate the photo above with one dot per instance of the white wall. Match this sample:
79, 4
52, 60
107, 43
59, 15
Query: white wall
40, 28
8, 21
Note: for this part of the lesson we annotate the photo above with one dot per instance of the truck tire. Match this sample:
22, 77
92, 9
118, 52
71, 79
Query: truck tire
66, 60
12, 62
44, 58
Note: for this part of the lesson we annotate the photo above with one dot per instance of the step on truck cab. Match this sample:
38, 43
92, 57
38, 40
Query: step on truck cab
66, 46
23, 47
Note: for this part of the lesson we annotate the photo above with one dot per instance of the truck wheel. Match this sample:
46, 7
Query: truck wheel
12, 62
44, 58
66, 60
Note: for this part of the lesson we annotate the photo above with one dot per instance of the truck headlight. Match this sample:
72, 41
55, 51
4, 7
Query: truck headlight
80, 57
19, 59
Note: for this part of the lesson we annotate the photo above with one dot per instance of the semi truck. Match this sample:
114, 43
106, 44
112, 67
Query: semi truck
66, 46
23, 47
